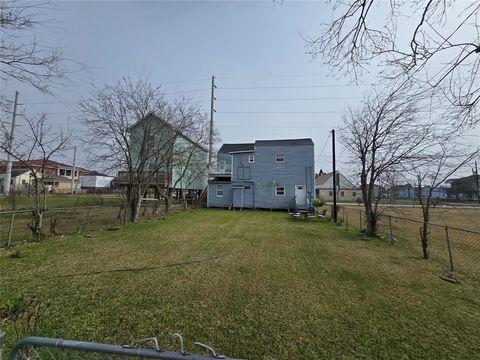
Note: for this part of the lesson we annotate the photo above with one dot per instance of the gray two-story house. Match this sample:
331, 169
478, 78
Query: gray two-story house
267, 174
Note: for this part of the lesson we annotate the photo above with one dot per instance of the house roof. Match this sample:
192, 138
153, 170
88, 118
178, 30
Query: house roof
470, 178
155, 116
38, 163
96, 173
17, 172
228, 148
284, 142
59, 178
325, 181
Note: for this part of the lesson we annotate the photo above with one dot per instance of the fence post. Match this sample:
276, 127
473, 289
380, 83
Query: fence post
10, 230
391, 231
449, 250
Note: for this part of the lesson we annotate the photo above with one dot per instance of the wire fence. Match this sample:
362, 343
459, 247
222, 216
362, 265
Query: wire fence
58, 222
457, 251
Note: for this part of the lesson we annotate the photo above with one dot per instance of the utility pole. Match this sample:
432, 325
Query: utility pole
73, 169
212, 110
334, 177
8, 174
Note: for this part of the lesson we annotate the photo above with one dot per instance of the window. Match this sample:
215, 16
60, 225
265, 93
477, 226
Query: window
219, 190
354, 193
68, 172
342, 193
279, 157
247, 187
280, 190
24, 181
330, 193
62, 172
76, 173
251, 159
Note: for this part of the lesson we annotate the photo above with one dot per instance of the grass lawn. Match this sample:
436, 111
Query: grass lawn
59, 201
254, 285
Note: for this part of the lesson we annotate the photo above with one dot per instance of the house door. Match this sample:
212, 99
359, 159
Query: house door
238, 198
300, 195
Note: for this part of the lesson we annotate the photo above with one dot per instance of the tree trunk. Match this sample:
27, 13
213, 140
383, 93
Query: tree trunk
135, 201
36, 225
371, 221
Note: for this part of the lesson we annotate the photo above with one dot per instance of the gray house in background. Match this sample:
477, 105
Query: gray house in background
267, 174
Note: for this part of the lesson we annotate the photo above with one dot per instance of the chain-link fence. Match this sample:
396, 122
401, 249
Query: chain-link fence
456, 250
57, 222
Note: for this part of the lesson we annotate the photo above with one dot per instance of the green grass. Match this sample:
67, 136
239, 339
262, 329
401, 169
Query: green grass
58, 201
255, 285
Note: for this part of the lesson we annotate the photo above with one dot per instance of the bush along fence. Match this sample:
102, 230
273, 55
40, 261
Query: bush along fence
58, 222
456, 251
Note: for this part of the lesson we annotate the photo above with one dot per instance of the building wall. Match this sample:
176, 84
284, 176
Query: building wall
350, 195
223, 201
95, 181
193, 164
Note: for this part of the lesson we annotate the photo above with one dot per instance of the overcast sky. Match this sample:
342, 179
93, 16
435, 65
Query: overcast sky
254, 49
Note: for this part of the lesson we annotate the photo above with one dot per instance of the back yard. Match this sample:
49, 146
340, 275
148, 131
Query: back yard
254, 285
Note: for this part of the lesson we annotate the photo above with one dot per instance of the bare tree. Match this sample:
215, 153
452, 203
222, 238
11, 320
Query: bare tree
440, 49
386, 132
38, 141
22, 57
441, 162
131, 127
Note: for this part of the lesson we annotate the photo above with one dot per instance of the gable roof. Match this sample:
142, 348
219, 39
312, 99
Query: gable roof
325, 181
228, 148
17, 172
284, 142
158, 118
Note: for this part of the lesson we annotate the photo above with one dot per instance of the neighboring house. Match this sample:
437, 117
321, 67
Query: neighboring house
51, 168
60, 184
403, 191
182, 163
408, 191
20, 180
95, 180
346, 191
267, 174
465, 188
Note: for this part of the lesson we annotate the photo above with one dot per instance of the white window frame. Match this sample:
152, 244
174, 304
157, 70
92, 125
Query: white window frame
279, 157
219, 190
251, 159
278, 188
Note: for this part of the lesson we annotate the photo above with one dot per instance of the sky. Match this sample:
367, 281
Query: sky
267, 86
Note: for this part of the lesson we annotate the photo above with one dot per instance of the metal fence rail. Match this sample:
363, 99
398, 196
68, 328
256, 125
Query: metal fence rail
50, 348
456, 250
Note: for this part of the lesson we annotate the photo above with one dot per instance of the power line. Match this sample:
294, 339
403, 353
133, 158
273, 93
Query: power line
296, 99
280, 112
292, 87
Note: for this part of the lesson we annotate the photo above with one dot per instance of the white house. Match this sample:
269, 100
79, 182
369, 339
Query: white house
95, 180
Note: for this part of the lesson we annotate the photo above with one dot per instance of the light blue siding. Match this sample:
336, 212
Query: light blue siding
254, 184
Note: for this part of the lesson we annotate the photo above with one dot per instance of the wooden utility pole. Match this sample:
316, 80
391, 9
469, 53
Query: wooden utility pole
8, 174
73, 169
334, 177
212, 110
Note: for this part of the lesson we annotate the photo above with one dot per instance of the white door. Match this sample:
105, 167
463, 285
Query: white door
300, 195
